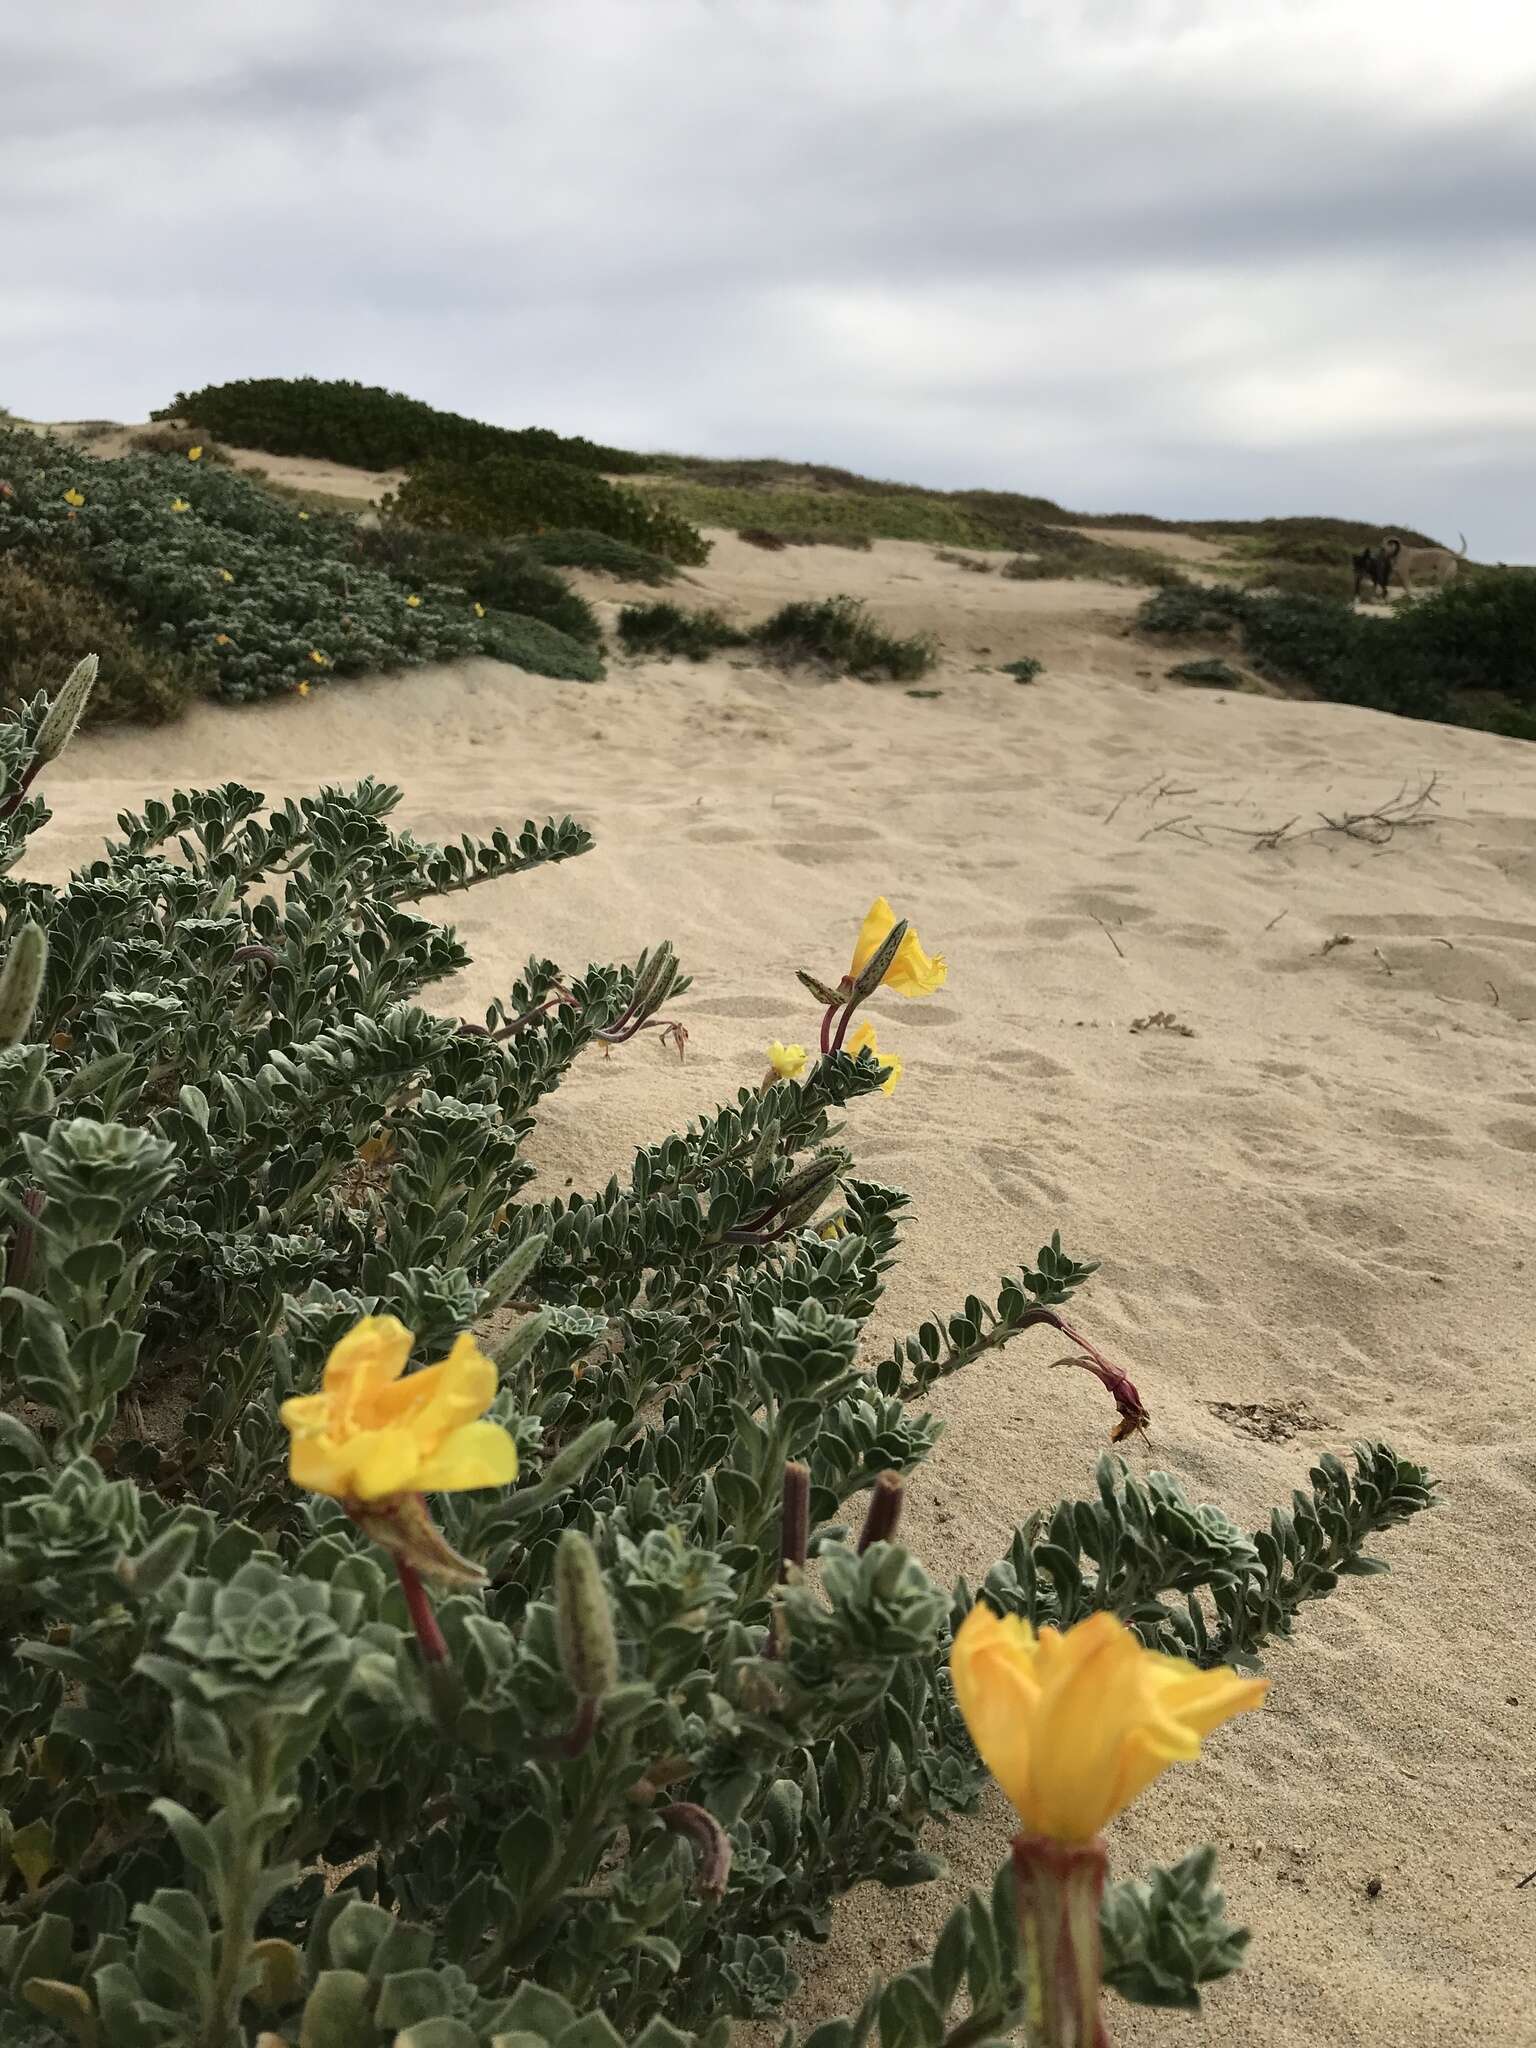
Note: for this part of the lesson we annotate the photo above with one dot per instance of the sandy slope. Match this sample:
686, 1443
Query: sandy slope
1320, 1203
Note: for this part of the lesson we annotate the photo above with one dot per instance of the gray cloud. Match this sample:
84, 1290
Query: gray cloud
1155, 254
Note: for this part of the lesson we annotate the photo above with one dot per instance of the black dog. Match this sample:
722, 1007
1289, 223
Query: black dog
1373, 565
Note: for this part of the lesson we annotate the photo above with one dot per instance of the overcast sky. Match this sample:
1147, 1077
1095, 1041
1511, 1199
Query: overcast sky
1239, 258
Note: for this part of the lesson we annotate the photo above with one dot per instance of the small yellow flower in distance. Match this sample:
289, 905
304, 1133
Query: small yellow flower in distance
370, 1433
1074, 1725
195, 454
912, 972
479, 611
74, 497
863, 1040
180, 505
221, 639
226, 575
787, 1061
413, 602
303, 515
301, 689
320, 660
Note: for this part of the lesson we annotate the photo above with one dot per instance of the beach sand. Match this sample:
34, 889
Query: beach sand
1314, 1213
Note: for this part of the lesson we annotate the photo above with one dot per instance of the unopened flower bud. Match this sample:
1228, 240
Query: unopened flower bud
820, 990
589, 1650
884, 1511
21, 982
878, 965
710, 1843
66, 710
795, 1519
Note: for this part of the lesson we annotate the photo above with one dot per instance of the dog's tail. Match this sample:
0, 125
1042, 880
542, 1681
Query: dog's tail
1392, 547
1463, 555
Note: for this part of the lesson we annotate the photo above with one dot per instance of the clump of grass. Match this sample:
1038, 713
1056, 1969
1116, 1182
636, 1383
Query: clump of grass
578, 547
1210, 673
837, 632
668, 629
1057, 553
774, 538
819, 515
974, 563
1024, 670
541, 649
48, 611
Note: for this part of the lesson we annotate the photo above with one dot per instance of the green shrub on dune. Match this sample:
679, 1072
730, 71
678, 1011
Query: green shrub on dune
337, 420
838, 633
669, 629
45, 606
511, 494
208, 567
578, 547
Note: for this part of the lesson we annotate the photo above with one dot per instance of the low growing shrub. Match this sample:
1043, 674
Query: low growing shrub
497, 1702
599, 553
506, 579
669, 629
506, 495
838, 633
1461, 655
44, 606
1025, 669
337, 420
206, 565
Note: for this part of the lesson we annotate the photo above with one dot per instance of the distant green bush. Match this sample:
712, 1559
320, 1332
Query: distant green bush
838, 632
1210, 673
337, 420
1025, 669
508, 494
46, 610
541, 649
1463, 656
208, 566
577, 547
772, 538
669, 629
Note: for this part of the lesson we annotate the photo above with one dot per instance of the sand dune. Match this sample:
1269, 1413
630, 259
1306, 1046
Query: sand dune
1317, 1208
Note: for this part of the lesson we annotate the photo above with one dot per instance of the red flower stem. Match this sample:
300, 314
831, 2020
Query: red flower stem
1058, 1887
434, 1650
826, 1029
842, 1029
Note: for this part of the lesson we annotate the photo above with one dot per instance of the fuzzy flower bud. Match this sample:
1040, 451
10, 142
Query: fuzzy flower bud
66, 710
21, 982
589, 1650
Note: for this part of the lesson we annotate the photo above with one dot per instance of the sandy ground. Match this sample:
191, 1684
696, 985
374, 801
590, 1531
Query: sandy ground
1318, 1206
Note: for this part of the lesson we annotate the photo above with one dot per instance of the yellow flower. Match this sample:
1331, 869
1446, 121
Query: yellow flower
226, 575
912, 972
195, 454
787, 1061
413, 602
370, 1434
1074, 1725
303, 515
74, 497
479, 611
301, 689
864, 1040
180, 505
221, 639
320, 660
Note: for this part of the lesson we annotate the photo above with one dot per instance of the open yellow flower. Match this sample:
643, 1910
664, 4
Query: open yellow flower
913, 972
414, 603
180, 505
226, 575
221, 639
320, 660
195, 454
1074, 1725
303, 515
863, 1040
370, 1433
301, 688
787, 1061
479, 611
74, 497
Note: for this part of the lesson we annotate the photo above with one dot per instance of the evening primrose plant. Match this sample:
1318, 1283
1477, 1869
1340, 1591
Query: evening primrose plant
440, 1612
